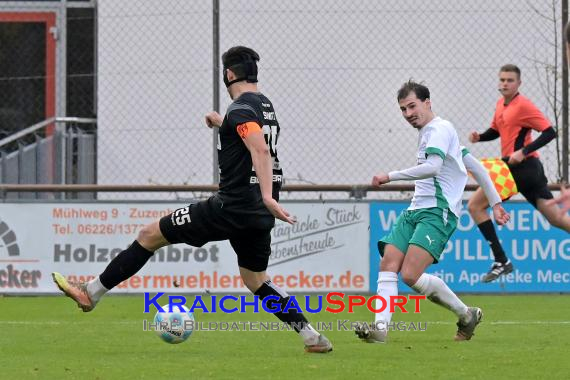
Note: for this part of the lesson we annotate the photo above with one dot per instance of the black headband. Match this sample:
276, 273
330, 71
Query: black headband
246, 62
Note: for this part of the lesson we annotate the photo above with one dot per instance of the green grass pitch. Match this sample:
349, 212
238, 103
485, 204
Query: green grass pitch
521, 337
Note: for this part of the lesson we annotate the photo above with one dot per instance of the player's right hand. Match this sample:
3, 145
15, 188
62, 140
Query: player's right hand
214, 119
474, 137
500, 215
380, 179
279, 212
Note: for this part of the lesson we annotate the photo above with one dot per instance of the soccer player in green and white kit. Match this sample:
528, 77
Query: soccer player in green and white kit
422, 231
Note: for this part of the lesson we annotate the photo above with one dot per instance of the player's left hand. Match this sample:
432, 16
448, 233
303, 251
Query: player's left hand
500, 215
516, 158
380, 179
279, 212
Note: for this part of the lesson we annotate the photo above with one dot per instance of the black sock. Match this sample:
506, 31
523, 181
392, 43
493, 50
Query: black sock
126, 264
488, 230
293, 318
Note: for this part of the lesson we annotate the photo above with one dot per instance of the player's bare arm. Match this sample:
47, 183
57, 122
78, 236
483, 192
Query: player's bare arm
255, 142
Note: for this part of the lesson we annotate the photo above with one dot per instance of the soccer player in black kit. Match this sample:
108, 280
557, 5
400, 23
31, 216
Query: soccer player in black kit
243, 211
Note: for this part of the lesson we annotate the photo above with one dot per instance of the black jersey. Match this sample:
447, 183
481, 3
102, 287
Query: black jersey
239, 186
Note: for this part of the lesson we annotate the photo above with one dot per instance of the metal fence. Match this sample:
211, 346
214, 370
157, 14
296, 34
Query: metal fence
66, 156
331, 68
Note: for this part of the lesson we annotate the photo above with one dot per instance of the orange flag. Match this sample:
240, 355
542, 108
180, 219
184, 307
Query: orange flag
501, 176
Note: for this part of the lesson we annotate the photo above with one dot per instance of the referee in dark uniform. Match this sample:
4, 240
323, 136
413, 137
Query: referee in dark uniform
243, 211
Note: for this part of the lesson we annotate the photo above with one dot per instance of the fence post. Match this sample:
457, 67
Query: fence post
59, 159
564, 94
216, 80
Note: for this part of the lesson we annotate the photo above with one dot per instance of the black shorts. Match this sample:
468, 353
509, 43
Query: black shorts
206, 221
530, 179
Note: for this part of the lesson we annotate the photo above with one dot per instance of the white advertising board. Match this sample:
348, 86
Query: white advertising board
326, 250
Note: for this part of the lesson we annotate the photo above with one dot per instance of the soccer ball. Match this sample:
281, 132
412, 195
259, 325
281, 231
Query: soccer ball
176, 326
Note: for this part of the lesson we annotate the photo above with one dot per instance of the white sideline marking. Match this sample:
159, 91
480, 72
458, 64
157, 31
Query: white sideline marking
505, 322
57, 323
